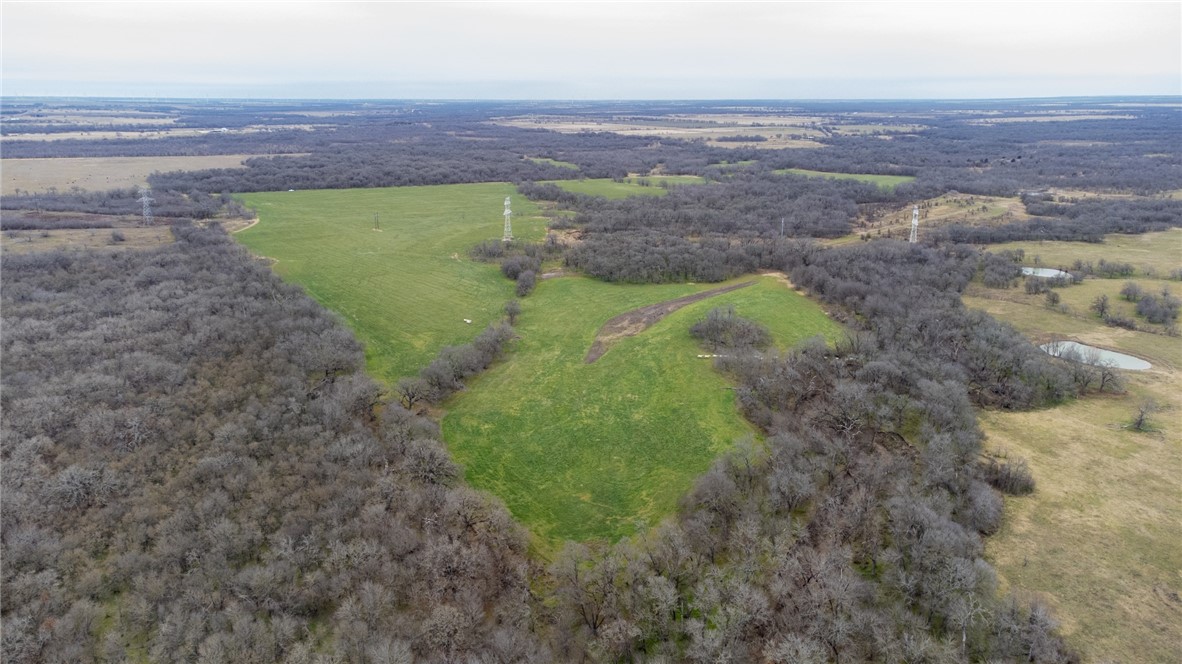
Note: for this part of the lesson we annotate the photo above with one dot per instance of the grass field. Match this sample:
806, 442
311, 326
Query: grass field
888, 182
950, 208
633, 186
76, 239
1149, 253
406, 289
599, 450
99, 173
576, 450
1099, 538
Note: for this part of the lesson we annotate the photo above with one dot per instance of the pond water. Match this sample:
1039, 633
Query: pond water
1044, 272
1070, 350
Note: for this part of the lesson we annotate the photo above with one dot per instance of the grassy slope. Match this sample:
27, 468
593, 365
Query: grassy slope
884, 181
1099, 537
582, 451
406, 290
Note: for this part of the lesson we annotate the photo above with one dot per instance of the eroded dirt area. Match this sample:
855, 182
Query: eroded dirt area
632, 323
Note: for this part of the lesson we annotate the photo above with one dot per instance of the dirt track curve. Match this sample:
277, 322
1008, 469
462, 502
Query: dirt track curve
632, 323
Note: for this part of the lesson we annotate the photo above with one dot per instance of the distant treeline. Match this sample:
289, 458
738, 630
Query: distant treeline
168, 204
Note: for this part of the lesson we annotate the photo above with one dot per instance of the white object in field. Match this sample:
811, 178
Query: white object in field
468, 321
914, 224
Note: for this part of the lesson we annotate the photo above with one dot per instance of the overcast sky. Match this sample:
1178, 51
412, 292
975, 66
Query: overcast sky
591, 50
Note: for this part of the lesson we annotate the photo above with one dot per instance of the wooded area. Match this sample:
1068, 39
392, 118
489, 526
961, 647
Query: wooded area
197, 469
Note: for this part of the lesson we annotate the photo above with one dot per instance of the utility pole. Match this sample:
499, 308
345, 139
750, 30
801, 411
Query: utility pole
376, 225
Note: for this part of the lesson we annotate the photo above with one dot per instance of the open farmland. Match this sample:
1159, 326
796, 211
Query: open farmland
775, 131
100, 173
1099, 536
406, 288
588, 450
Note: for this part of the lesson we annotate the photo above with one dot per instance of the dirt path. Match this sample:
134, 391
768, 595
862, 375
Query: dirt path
632, 323
239, 230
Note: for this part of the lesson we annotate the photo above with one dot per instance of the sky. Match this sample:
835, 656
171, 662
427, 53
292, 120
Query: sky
590, 50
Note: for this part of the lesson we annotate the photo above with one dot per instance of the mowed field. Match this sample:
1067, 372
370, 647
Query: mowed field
99, 173
407, 288
1100, 537
601, 450
576, 450
888, 182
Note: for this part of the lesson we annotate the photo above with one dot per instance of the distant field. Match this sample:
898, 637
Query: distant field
20, 242
778, 131
554, 162
952, 208
1156, 252
633, 186
1099, 537
99, 173
888, 182
406, 289
602, 450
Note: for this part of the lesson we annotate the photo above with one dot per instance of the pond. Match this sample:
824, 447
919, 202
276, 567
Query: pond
1077, 352
1044, 272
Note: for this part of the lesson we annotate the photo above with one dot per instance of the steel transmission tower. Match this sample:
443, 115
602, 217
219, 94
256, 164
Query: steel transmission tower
508, 222
147, 200
914, 225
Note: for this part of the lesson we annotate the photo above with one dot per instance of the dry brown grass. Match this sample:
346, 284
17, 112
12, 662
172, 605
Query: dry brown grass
966, 209
1156, 252
24, 242
779, 131
99, 173
1099, 538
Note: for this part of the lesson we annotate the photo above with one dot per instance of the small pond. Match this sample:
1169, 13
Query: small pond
1070, 350
1044, 272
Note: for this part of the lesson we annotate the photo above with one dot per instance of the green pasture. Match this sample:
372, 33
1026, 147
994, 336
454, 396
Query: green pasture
575, 450
405, 289
601, 450
888, 182
637, 186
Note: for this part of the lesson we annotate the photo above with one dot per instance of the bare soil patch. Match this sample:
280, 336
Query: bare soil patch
632, 323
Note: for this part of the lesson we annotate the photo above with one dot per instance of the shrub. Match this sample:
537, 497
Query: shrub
1013, 478
723, 328
525, 283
